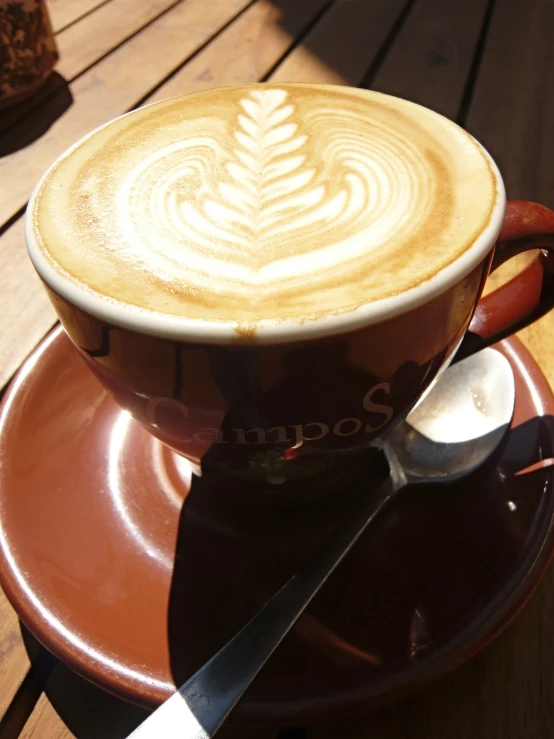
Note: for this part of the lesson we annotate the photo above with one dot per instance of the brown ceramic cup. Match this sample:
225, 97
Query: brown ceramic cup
301, 404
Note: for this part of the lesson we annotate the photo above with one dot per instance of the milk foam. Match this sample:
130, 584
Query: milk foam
281, 202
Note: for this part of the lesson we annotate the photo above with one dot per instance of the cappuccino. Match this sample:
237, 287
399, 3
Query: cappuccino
264, 204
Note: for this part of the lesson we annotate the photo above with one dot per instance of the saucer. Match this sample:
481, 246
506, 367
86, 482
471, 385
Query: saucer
135, 591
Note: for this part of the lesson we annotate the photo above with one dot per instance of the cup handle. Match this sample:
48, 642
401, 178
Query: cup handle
528, 295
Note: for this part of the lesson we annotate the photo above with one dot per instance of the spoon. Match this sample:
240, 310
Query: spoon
451, 432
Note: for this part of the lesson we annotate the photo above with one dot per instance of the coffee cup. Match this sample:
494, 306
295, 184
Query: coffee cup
269, 277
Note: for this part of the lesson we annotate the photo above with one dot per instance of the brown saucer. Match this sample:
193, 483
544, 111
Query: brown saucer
134, 590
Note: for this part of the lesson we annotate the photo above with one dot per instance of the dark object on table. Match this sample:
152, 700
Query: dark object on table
28, 50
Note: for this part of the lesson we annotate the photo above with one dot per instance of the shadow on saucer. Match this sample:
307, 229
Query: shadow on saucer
429, 580
424, 577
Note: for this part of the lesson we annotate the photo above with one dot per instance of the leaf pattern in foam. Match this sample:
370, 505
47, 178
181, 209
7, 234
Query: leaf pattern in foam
270, 189
270, 179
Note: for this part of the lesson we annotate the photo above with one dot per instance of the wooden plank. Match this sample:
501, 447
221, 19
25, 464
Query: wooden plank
45, 723
262, 34
65, 12
247, 50
27, 314
430, 60
85, 42
512, 109
27, 696
341, 47
512, 114
73, 708
14, 662
110, 88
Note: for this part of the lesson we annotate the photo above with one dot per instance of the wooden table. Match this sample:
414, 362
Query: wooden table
488, 64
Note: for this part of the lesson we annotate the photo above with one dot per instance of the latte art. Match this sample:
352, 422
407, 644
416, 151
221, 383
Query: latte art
264, 203
239, 226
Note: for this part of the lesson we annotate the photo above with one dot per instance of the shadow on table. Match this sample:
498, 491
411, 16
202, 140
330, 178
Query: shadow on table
55, 98
23, 123
88, 711
91, 713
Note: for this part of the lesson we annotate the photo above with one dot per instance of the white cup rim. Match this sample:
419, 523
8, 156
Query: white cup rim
180, 328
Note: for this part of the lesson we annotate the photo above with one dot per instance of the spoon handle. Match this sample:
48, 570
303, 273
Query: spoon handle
199, 707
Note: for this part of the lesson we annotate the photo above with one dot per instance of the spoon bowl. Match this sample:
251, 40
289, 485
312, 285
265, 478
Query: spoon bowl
458, 425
